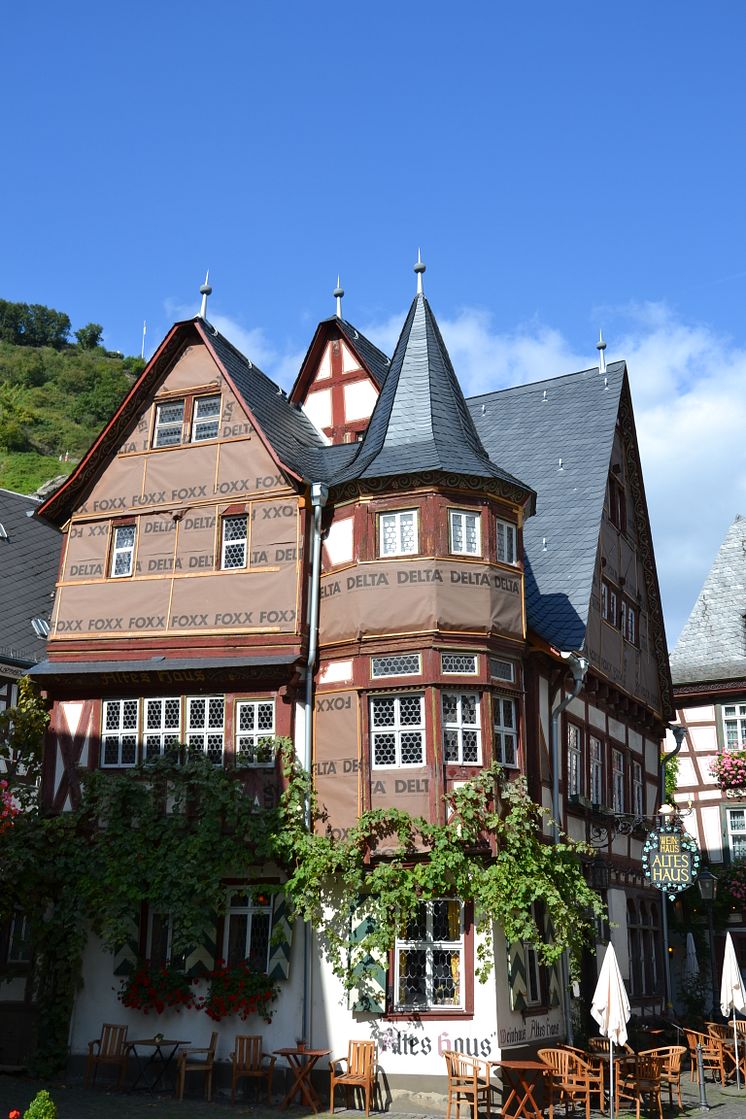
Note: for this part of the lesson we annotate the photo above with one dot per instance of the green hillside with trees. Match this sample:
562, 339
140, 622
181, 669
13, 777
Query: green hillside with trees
57, 390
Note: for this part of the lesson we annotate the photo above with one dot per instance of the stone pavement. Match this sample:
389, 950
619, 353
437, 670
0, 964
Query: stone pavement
76, 1102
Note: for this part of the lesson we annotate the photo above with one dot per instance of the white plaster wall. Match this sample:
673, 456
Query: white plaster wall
617, 730
360, 400
338, 541
712, 837
634, 740
687, 773
704, 739
336, 672
597, 718
318, 408
349, 362
577, 707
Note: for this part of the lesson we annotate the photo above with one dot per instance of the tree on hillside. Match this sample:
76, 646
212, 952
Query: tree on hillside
33, 324
89, 337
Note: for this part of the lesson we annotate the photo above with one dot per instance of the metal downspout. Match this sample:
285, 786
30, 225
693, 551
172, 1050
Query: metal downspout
319, 495
679, 734
578, 665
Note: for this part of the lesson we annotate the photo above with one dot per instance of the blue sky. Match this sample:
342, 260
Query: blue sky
563, 166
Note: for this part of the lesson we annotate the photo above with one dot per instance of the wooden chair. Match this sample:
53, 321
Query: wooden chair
713, 1057
359, 1069
196, 1060
718, 1030
600, 1045
468, 1082
574, 1077
671, 1056
638, 1079
112, 1048
249, 1062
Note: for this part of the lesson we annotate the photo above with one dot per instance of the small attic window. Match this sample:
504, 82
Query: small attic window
3, 533
41, 627
169, 419
206, 418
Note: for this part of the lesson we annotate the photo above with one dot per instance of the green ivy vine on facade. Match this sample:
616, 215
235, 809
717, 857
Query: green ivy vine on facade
168, 834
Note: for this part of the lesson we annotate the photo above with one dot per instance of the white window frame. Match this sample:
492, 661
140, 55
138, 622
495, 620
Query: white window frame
631, 623
575, 783
19, 938
502, 733
736, 835
460, 729
394, 518
167, 923
254, 747
160, 733
165, 428
397, 729
199, 732
201, 422
458, 524
638, 789
233, 542
248, 909
618, 791
596, 751
125, 552
429, 947
118, 733
733, 720
506, 542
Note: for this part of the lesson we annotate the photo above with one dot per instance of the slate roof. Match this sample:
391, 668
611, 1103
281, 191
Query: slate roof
375, 360
528, 429
712, 644
421, 422
29, 560
287, 427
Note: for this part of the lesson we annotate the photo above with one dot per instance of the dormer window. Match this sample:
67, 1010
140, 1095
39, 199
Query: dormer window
169, 420
206, 418
398, 533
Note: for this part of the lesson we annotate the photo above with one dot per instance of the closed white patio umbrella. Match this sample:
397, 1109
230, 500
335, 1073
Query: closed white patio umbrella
732, 993
610, 1008
691, 963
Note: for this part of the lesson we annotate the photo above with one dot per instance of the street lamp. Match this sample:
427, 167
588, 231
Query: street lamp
708, 888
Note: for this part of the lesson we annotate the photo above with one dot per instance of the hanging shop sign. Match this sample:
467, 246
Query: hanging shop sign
670, 860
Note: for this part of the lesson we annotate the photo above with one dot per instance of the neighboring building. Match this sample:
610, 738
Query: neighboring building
466, 547
708, 666
29, 561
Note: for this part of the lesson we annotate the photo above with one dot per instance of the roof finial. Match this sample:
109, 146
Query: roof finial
419, 269
601, 346
338, 293
204, 291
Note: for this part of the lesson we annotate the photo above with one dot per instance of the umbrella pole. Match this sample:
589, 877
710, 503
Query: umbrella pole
611, 1079
735, 1042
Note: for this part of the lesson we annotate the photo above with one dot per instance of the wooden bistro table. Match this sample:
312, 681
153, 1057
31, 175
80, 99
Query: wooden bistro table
152, 1069
522, 1078
302, 1062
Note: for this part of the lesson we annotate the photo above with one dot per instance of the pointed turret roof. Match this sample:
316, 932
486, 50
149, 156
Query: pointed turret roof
421, 421
712, 645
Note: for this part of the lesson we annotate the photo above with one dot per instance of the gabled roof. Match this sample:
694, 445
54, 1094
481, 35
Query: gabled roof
286, 430
712, 645
421, 422
373, 360
529, 429
29, 559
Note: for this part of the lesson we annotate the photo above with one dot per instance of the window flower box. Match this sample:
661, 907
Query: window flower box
729, 769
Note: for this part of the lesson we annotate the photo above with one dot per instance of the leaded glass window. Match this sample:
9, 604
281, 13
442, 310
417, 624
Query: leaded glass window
169, 419
162, 727
464, 532
429, 958
123, 551
119, 732
206, 418
505, 734
235, 540
462, 734
205, 721
398, 534
248, 924
397, 728
255, 729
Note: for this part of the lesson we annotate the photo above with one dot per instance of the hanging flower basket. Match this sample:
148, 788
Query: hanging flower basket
729, 768
733, 881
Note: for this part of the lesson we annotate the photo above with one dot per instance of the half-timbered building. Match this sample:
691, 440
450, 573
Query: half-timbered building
708, 666
486, 591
